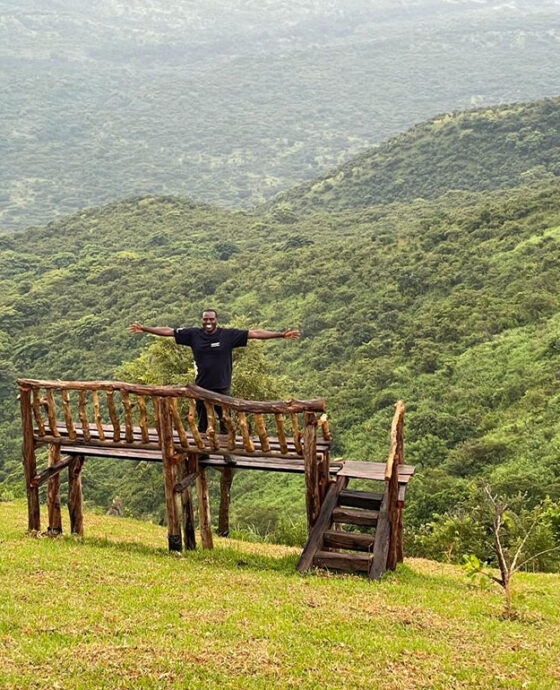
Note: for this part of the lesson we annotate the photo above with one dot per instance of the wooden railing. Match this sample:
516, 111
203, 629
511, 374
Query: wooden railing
388, 548
128, 417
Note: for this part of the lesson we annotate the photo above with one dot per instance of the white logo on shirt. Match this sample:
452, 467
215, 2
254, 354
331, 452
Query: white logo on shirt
215, 344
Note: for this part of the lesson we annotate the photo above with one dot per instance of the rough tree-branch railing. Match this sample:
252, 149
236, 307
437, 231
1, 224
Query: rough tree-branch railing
124, 418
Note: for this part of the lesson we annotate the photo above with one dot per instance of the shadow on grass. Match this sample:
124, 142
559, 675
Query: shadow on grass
227, 557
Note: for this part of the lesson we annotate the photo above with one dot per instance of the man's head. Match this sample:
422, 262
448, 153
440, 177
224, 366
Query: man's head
209, 320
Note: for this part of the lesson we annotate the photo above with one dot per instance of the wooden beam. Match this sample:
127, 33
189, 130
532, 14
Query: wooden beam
51, 412
97, 415
51, 471
261, 431
129, 433
53, 494
172, 500
353, 541
29, 461
188, 468
68, 415
226, 480
82, 412
75, 507
280, 428
312, 494
248, 444
144, 428
189, 391
352, 516
353, 562
114, 416
37, 412
204, 510
186, 481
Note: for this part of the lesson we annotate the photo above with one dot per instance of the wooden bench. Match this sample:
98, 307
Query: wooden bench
78, 419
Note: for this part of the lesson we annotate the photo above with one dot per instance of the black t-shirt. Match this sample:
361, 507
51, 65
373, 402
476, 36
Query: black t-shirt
212, 353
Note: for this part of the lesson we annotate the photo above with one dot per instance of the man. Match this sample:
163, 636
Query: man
212, 348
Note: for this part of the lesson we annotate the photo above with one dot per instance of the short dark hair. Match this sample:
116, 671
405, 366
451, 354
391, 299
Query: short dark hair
215, 312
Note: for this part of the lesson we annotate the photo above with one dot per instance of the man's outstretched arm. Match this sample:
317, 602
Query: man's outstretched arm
156, 330
289, 333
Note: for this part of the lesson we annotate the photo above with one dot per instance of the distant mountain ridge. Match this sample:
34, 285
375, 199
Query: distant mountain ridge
475, 150
231, 101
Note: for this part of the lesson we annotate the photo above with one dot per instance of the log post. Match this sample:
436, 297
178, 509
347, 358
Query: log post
172, 500
144, 428
281, 430
312, 494
395, 545
37, 412
97, 415
53, 494
204, 510
188, 467
296, 433
82, 411
128, 425
114, 416
29, 461
323, 477
387, 547
225, 496
75, 508
261, 431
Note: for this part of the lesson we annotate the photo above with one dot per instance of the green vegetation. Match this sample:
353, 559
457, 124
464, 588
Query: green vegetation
233, 101
115, 610
451, 304
488, 148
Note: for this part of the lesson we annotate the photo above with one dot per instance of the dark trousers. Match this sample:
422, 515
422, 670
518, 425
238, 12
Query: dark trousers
201, 411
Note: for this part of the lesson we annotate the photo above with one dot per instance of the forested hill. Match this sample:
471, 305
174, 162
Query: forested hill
451, 304
483, 149
232, 101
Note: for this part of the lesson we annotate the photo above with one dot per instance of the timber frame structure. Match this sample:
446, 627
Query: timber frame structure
159, 424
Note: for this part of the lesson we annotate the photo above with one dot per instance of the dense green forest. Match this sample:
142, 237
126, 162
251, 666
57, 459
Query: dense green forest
233, 101
450, 304
482, 149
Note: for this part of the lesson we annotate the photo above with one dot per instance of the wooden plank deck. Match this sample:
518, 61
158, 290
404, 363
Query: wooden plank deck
353, 469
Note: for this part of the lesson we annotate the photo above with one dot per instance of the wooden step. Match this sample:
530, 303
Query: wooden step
348, 540
353, 562
360, 499
351, 516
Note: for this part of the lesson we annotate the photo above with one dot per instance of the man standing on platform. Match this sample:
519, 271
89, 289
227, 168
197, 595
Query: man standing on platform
212, 347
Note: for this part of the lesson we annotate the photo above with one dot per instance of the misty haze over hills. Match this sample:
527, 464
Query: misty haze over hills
232, 102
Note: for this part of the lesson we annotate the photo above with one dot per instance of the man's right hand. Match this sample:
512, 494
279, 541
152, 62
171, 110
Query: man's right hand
136, 328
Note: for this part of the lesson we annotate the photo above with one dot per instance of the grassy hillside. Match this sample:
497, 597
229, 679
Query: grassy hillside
115, 610
483, 149
451, 304
232, 101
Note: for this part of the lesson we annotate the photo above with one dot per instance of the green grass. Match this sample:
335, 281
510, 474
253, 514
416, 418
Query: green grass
116, 610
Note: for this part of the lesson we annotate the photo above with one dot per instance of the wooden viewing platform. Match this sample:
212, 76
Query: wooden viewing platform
159, 424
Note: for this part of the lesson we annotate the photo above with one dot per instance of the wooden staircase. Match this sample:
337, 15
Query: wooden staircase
378, 549
351, 551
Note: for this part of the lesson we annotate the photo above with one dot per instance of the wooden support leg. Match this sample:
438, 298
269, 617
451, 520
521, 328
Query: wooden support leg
29, 462
400, 553
53, 494
323, 478
225, 495
172, 500
204, 510
187, 467
75, 507
312, 491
